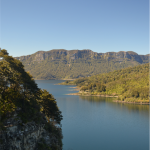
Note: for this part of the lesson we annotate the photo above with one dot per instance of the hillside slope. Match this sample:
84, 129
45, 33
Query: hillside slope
130, 84
65, 64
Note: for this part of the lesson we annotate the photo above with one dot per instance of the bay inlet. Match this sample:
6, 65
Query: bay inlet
98, 123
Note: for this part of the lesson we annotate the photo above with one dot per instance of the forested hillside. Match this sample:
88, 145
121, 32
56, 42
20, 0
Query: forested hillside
20, 94
71, 64
129, 84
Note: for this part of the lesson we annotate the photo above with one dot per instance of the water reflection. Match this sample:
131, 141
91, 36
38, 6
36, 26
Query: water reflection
132, 108
97, 98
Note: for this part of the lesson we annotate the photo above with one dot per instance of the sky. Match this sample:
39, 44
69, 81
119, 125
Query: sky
27, 26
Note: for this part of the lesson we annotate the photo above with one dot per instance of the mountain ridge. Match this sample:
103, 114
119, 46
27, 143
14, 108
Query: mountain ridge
126, 54
65, 64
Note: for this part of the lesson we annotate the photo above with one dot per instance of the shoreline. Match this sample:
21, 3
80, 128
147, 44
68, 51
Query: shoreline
66, 79
76, 88
90, 95
118, 101
53, 79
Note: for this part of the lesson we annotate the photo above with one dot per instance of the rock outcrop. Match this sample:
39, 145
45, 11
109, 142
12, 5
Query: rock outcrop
76, 54
29, 136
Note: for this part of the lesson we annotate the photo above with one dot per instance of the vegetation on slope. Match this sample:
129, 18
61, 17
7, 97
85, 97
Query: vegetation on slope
129, 84
75, 69
19, 90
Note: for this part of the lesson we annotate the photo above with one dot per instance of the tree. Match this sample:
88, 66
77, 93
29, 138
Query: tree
49, 106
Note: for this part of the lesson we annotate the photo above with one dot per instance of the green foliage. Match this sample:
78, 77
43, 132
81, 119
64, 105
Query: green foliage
132, 82
49, 107
84, 88
19, 90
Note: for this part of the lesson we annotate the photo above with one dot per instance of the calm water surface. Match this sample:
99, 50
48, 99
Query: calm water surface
97, 123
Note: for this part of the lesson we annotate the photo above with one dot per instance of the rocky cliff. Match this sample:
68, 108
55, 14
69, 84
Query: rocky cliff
60, 63
28, 136
83, 54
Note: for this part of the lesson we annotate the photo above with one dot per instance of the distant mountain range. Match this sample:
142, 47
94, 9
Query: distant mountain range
71, 64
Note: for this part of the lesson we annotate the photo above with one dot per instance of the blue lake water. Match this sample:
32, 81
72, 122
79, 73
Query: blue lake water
97, 123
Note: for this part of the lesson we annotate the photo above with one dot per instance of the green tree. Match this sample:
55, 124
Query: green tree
49, 107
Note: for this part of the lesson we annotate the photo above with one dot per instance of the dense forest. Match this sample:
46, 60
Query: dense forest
18, 91
63, 64
130, 84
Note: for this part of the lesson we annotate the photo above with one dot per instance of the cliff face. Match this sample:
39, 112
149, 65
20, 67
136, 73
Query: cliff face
83, 54
64, 64
29, 136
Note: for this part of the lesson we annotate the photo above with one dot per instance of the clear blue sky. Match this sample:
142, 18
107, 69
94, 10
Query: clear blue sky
103, 26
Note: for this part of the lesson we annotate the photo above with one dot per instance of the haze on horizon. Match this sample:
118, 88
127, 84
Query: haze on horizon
98, 25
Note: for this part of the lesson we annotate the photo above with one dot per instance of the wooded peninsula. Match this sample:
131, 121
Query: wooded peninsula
130, 85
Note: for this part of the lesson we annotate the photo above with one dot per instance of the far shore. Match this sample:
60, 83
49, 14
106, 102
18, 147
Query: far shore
75, 88
90, 95
66, 79
54, 79
117, 101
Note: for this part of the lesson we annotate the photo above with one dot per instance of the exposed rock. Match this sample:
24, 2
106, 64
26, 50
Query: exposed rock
20, 136
76, 54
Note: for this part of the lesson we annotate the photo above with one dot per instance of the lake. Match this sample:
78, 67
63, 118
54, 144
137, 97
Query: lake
98, 123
